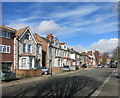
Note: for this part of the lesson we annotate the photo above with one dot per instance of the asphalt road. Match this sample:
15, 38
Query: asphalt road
80, 83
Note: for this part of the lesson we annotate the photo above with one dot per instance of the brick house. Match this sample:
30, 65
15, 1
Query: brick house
27, 50
45, 49
7, 35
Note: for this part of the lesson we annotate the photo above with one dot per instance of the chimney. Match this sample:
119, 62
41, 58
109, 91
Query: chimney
56, 38
50, 36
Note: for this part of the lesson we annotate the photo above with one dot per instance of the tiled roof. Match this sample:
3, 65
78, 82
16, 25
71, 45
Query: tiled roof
36, 36
8, 28
62, 43
20, 31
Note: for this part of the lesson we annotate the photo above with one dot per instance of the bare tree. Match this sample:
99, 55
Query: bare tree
105, 57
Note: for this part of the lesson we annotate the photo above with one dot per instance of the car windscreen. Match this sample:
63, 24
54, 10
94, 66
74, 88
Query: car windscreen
66, 66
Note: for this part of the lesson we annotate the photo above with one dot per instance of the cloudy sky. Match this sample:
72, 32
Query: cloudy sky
82, 25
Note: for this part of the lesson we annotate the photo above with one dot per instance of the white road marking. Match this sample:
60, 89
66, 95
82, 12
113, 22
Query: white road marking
101, 86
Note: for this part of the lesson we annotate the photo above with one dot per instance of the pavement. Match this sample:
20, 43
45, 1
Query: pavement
76, 83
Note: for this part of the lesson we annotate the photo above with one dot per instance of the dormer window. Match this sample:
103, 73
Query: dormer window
64, 47
27, 36
56, 44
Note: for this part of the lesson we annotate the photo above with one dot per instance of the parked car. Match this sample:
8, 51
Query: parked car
113, 64
100, 66
66, 68
84, 66
7, 75
45, 70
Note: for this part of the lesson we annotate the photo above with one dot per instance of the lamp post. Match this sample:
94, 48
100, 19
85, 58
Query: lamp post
51, 56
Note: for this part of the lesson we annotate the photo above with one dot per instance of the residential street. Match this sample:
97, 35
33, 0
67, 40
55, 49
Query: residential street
79, 83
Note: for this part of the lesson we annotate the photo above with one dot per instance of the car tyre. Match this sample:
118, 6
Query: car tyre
46, 73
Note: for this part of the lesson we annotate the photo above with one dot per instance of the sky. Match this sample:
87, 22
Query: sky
82, 25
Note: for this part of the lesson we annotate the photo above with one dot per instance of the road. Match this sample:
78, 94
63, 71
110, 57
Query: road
79, 83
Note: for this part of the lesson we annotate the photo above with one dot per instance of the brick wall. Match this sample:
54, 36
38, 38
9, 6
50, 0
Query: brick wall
55, 69
8, 56
28, 73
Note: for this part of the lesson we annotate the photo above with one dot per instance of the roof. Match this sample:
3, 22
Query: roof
62, 43
36, 36
8, 28
21, 31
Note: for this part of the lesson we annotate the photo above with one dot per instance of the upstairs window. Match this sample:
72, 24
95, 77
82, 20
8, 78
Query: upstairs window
29, 48
24, 47
27, 36
57, 44
50, 50
5, 34
4, 49
38, 48
64, 47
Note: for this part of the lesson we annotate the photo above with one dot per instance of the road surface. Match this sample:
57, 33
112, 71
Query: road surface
79, 83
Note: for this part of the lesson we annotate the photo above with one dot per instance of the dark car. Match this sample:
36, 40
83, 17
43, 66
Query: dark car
84, 66
113, 64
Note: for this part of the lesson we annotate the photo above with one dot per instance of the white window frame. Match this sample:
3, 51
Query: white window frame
24, 67
5, 48
7, 33
78, 62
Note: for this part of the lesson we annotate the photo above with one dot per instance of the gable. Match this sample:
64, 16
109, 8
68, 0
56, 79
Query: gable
27, 31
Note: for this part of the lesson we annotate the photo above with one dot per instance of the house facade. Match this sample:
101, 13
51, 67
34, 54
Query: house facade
27, 50
7, 35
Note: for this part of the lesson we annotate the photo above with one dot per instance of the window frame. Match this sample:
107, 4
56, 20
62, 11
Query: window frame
24, 47
22, 63
29, 48
4, 47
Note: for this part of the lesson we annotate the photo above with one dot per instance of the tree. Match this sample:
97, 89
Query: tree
104, 57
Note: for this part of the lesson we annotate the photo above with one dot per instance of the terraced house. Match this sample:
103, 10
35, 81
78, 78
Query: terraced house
7, 35
27, 50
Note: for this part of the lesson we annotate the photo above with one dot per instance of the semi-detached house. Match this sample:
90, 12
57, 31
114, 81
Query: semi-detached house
27, 50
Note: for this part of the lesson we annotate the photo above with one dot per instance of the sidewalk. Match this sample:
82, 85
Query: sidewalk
43, 77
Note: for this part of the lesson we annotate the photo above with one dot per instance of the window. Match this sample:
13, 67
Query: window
8, 49
1, 49
23, 62
29, 48
77, 62
24, 47
38, 48
64, 47
55, 51
26, 36
56, 44
30, 62
5, 34
50, 50
4, 49
77, 56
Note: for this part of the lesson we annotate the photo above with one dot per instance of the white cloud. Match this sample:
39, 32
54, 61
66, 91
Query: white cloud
46, 27
103, 45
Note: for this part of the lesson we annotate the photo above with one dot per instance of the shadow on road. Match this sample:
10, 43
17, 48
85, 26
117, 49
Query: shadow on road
65, 86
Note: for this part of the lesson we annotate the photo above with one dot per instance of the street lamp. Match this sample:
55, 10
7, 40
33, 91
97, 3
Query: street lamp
51, 56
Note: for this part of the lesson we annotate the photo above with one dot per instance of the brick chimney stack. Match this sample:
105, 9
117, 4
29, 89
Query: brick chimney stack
50, 36
56, 38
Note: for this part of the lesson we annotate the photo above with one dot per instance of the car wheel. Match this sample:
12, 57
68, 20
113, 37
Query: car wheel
46, 72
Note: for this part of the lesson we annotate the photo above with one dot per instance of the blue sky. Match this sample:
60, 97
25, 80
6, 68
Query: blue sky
80, 24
